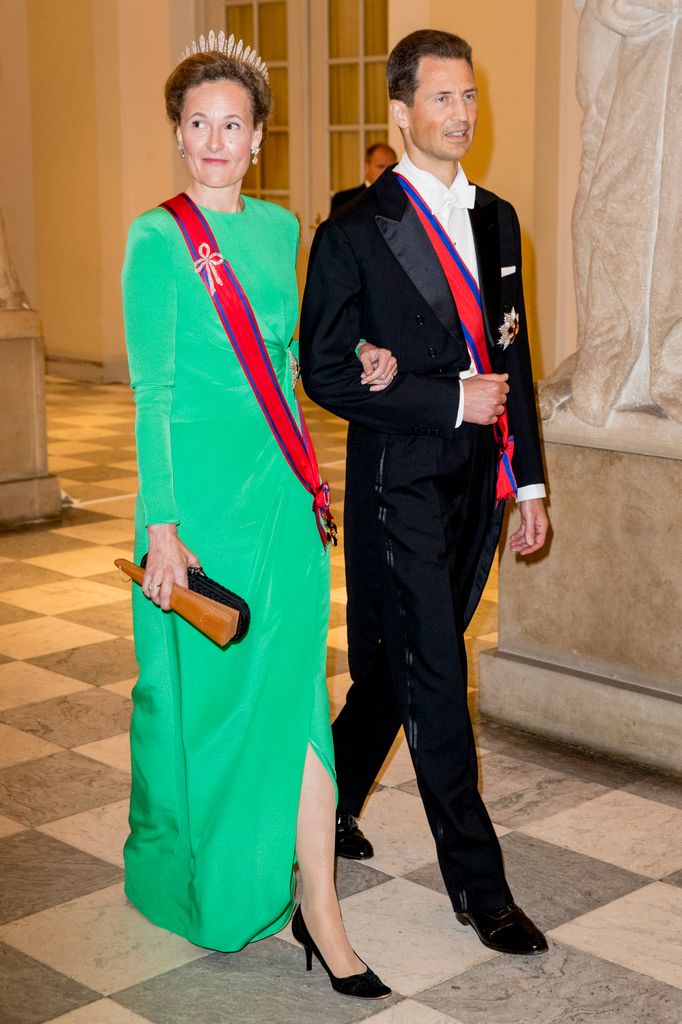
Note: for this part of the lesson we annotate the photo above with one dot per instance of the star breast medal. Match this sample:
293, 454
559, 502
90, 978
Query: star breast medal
509, 328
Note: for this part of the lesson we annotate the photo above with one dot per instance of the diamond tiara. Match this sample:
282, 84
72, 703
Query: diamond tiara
221, 44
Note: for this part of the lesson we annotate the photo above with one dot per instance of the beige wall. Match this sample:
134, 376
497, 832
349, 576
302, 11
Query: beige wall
65, 174
83, 106
86, 148
16, 165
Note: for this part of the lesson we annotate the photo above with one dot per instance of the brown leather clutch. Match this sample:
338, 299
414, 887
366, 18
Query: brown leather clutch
216, 621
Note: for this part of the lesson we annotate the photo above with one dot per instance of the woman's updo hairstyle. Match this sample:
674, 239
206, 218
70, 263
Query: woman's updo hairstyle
216, 67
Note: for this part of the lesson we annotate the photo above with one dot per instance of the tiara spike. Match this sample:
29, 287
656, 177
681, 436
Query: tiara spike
231, 48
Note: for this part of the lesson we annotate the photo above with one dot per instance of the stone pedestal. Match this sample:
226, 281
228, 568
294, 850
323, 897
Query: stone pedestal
27, 491
590, 641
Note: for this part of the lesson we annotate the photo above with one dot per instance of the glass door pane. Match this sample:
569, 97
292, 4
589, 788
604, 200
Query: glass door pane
357, 33
262, 24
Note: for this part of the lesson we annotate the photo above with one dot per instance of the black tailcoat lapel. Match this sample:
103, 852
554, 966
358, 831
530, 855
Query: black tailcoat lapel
409, 243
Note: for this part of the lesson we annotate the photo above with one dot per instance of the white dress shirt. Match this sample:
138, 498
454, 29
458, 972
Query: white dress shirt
451, 208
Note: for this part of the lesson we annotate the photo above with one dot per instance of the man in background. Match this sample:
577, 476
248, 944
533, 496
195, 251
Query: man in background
377, 158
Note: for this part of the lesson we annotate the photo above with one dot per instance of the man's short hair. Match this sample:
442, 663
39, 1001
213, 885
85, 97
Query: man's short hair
371, 150
402, 68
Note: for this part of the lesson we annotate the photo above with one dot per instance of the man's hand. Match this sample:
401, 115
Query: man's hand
484, 397
379, 366
532, 533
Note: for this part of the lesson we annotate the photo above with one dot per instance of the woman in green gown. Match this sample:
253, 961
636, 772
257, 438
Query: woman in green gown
232, 759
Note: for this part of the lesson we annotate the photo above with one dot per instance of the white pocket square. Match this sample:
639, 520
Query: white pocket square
506, 271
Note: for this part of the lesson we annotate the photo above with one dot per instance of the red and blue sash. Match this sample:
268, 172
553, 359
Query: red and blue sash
240, 325
467, 298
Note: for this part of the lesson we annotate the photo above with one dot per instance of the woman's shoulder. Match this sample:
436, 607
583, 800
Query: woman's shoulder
152, 224
274, 213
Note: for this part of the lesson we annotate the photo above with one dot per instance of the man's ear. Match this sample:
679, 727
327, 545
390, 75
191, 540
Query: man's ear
399, 113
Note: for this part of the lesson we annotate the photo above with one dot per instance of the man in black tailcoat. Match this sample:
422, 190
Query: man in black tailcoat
421, 518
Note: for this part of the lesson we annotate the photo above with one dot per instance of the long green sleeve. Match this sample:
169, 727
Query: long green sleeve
150, 313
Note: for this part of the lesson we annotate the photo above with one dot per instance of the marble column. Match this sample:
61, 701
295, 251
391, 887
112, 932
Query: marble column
590, 641
590, 636
27, 491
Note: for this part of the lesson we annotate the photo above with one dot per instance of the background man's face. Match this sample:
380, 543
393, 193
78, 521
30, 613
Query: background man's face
441, 122
381, 158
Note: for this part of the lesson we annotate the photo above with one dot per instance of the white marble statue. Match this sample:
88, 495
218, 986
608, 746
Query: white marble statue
11, 293
627, 235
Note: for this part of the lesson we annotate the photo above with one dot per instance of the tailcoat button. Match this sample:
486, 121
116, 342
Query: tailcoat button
420, 320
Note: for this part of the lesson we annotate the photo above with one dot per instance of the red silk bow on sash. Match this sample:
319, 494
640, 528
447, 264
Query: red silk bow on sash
467, 298
240, 325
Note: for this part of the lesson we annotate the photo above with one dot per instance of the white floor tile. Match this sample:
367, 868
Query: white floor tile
641, 931
338, 687
9, 827
641, 835
338, 637
114, 751
409, 1012
17, 746
72, 447
121, 484
122, 507
104, 1011
63, 463
409, 935
84, 419
33, 637
100, 941
124, 686
88, 561
79, 433
397, 826
63, 596
398, 767
107, 532
23, 683
101, 832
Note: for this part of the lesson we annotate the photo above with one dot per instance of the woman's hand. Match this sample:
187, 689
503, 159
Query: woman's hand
167, 562
379, 366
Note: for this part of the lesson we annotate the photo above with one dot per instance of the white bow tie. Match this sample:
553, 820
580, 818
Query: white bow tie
461, 196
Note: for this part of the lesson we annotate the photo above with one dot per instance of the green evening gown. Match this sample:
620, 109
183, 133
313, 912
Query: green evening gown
219, 737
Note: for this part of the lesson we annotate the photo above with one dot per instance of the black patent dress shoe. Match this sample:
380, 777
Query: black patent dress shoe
507, 930
350, 842
363, 986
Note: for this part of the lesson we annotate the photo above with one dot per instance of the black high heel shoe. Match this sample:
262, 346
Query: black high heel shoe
364, 986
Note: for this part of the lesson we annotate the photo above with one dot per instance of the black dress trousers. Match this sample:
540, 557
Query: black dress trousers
421, 534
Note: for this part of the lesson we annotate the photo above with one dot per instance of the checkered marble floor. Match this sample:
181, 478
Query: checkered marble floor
593, 848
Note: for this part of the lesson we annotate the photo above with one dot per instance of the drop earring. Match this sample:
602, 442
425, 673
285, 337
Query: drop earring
255, 150
181, 150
